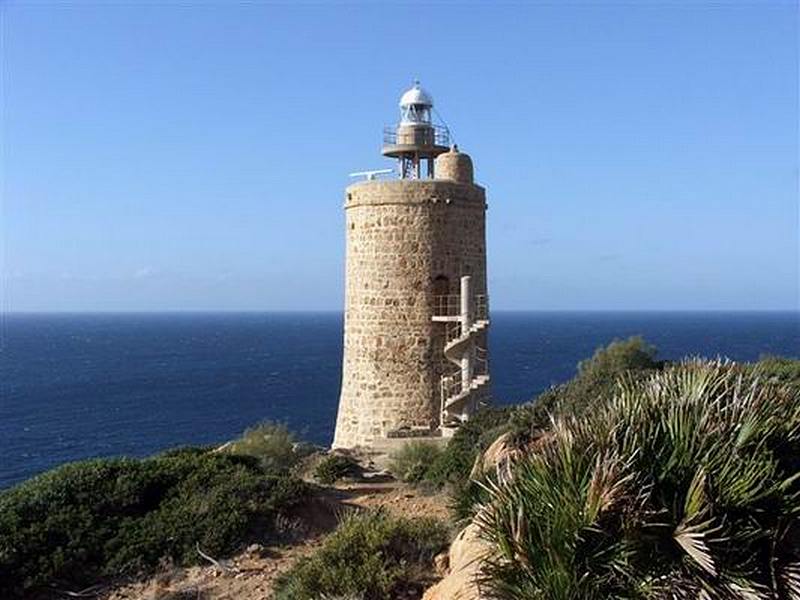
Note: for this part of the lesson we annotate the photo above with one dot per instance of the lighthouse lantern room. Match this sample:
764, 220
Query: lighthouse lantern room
415, 141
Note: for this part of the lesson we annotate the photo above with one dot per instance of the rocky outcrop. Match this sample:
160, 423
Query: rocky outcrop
465, 556
497, 458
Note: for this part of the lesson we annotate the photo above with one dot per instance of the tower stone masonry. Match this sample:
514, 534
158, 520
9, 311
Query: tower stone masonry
416, 311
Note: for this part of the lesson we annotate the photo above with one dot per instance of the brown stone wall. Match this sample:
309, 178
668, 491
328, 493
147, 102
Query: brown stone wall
401, 236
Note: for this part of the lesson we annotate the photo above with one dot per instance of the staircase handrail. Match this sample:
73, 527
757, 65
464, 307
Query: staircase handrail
449, 305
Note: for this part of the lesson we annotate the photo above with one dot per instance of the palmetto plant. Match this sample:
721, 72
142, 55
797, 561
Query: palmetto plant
684, 485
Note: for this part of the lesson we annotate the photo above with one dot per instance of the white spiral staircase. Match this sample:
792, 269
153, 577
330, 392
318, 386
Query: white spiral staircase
466, 319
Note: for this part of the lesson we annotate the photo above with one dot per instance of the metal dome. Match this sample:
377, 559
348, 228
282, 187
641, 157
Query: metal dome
416, 96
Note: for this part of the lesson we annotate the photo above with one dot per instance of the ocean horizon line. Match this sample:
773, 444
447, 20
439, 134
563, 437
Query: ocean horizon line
627, 311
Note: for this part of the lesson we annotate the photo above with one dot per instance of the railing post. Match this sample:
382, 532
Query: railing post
466, 300
466, 323
443, 400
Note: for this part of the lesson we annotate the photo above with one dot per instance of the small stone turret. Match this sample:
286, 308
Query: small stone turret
454, 166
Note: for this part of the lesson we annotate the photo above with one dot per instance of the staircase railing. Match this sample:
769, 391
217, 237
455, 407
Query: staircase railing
451, 386
464, 317
481, 365
452, 331
449, 305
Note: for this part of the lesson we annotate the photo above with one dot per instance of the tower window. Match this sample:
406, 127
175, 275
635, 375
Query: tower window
441, 285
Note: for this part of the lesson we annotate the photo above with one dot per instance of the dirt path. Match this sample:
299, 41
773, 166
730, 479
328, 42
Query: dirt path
252, 574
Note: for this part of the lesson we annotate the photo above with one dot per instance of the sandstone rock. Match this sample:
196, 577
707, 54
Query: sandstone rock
465, 556
498, 457
441, 563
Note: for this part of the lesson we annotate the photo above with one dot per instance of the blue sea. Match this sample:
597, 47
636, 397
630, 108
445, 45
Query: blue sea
78, 386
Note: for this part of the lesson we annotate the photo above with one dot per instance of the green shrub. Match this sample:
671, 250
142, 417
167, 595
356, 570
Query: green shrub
371, 556
779, 369
596, 380
620, 356
334, 467
684, 485
455, 462
598, 376
104, 517
412, 462
272, 444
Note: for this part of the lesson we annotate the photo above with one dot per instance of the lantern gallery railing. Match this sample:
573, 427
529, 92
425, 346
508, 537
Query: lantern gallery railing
430, 135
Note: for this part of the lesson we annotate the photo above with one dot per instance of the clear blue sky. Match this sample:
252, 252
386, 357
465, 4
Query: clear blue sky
193, 155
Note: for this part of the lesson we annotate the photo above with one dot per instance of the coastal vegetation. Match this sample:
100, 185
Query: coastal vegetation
683, 484
412, 462
275, 447
71, 526
336, 466
637, 479
370, 556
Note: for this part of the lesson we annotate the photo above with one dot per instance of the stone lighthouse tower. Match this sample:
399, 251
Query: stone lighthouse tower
416, 311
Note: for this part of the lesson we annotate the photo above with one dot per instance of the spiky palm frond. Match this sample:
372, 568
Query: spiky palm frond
789, 580
674, 488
